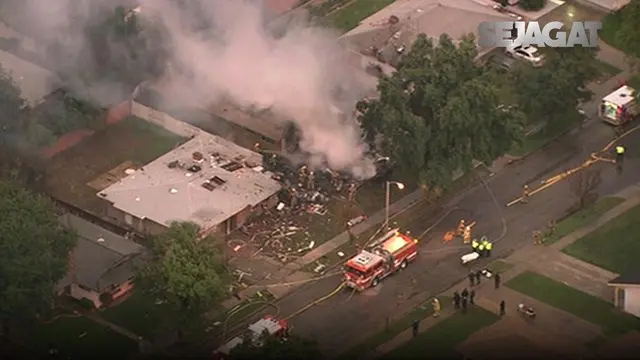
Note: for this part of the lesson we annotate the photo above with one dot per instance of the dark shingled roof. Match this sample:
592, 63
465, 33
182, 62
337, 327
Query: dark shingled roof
631, 277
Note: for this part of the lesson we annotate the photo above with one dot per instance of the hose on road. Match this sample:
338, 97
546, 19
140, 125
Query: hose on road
316, 302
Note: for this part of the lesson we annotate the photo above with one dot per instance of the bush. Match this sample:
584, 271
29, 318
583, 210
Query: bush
86, 304
106, 298
532, 5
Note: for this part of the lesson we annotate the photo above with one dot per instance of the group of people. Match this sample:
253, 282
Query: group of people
482, 247
463, 299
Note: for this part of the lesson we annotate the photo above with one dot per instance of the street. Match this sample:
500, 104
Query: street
343, 320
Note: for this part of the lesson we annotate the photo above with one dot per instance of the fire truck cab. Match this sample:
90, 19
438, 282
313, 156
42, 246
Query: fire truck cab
389, 254
267, 325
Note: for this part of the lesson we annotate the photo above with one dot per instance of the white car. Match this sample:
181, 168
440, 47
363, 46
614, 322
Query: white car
528, 53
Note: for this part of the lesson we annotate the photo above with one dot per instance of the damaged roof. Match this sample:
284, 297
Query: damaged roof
178, 187
101, 257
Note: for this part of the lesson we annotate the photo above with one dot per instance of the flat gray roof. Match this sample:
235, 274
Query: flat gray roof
34, 81
165, 190
101, 258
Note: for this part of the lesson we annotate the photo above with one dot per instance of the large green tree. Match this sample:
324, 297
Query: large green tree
553, 92
185, 272
11, 103
439, 111
629, 28
34, 251
272, 348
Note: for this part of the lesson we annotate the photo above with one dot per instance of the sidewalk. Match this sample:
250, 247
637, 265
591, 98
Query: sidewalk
538, 258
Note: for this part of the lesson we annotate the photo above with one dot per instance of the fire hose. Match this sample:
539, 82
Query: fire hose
595, 157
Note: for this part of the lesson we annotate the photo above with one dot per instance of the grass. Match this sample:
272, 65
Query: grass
634, 82
541, 138
607, 70
583, 218
133, 139
141, 315
499, 266
394, 329
613, 246
576, 302
441, 339
325, 7
610, 26
351, 15
78, 338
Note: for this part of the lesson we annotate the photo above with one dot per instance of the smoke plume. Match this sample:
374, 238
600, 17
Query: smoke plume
223, 50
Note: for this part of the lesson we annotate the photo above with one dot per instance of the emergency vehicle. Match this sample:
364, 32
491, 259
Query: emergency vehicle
387, 255
619, 107
269, 325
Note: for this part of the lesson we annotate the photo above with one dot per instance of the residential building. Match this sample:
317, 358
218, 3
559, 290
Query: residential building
102, 262
627, 292
36, 83
389, 33
208, 180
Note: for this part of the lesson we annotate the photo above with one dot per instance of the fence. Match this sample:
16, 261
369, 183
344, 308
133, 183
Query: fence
163, 120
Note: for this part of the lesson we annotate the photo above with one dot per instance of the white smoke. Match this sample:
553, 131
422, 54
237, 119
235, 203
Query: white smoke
295, 76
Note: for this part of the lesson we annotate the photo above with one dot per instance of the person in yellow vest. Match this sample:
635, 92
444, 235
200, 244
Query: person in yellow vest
436, 307
537, 238
474, 244
489, 247
485, 245
480, 249
466, 237
525, 194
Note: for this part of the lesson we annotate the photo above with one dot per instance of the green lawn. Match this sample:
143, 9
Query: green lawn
634, 82
607, 70
614, 246
576, 302
583, 217
141, 315
325, 7
395, 328
499, 266
610, 26
543, 137
80, 338
441, 340
351, 15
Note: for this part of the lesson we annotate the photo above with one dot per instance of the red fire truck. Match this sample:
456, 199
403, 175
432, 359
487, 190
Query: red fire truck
390, 253
269, 325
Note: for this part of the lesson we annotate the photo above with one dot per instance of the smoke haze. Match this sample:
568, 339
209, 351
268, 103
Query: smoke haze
222, 50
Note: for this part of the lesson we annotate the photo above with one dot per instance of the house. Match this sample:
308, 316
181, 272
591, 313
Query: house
36, 83
389, 33
102, 262
627, 292
208, 180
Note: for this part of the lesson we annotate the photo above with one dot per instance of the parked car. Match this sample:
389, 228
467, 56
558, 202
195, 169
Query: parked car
501, 62
528, 53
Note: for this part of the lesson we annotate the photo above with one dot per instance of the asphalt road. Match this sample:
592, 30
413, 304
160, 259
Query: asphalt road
343, 320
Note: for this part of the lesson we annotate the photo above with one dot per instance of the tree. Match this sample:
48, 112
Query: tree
11, 103
185, 272
629, 31
532, 5
439, 111
271, 348
551, 94
584, 184
34, 253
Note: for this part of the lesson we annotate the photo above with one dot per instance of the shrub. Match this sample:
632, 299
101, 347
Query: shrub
86, 304
532, 5
106, 298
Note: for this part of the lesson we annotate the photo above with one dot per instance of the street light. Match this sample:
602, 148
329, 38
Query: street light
400, 186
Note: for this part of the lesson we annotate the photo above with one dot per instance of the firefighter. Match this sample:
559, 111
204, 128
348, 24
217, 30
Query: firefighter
485, 244
456, 300
461, 227
472, 297
551, 227
619, 156
503, 308
416, 327
480, 250
537, 238
478, 277
489, 247
475, 244
472, 278
525, 194
436, 307
466, 237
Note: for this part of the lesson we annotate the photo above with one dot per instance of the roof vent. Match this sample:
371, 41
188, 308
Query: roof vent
195, 168
197, 156
232, 166
217, 180
100, 239
208, 185
174, 164
393, 19
173, 190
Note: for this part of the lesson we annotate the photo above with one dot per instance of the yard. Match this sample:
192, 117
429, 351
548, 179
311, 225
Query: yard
350, 16
131, 143
395, 328
607, 71
610, 26
583, 217
546, 135
79, 338
613, 246
441, 340
578, 303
